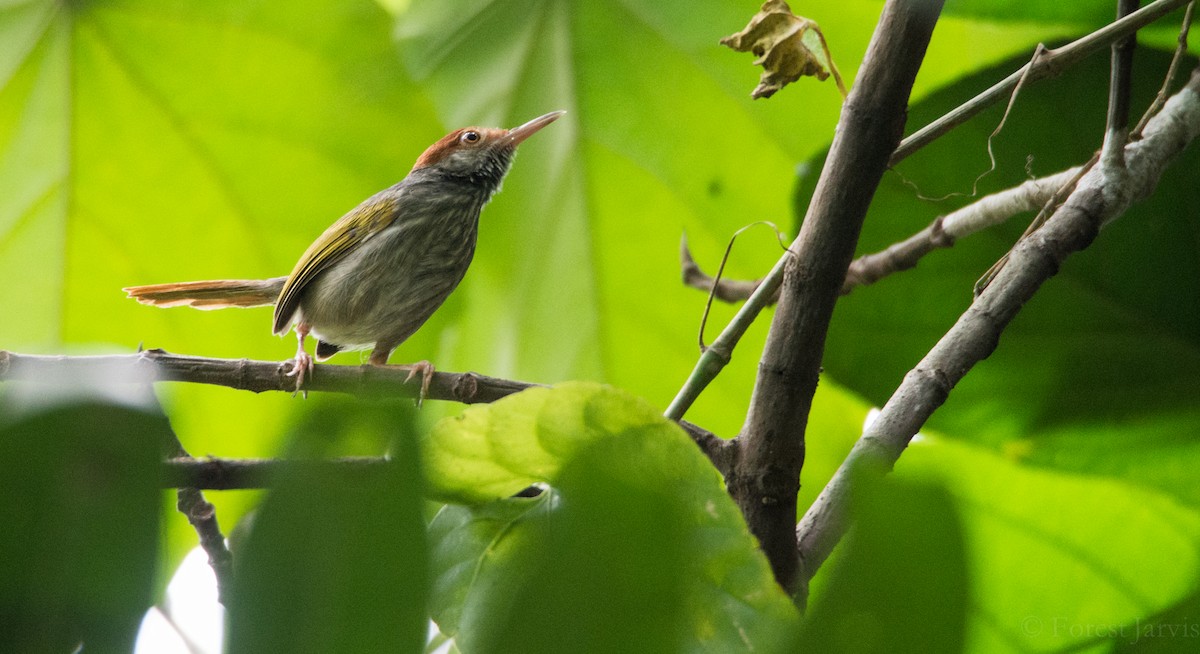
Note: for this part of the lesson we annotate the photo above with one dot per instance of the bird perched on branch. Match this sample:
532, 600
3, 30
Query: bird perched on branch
379, 272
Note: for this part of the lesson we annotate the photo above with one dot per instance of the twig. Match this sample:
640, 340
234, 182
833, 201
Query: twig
721, 269
1115, 133
1101, 195
260, 376
719, 353
1172, 70
1051, 205
943, 232
240, 474
1120, 86
1049, 65
725, 289
202, 515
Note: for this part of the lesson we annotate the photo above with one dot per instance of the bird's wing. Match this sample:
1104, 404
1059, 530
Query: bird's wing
373, 215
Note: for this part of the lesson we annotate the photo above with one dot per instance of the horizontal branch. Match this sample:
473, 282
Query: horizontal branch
256, 376
261, 376
243, 474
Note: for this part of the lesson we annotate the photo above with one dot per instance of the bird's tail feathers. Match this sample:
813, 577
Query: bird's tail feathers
214, 294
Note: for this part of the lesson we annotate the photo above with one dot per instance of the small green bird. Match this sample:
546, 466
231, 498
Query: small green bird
379, 272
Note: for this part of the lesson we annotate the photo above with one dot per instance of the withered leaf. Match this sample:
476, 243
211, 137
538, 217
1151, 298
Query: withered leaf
788, 47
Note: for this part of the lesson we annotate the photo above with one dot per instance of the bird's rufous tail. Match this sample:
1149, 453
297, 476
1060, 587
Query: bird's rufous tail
214, 294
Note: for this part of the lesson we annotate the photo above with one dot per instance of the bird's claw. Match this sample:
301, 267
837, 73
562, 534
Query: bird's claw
426, 370
302, 368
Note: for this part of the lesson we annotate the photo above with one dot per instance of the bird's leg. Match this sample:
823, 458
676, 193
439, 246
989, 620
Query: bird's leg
302, 365
379, 357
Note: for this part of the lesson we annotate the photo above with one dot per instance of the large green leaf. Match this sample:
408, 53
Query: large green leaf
80, 503
1057, 560
900, 584
336, 562
629, 498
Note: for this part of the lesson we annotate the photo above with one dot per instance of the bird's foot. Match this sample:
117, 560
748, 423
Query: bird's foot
424, 368
302, 368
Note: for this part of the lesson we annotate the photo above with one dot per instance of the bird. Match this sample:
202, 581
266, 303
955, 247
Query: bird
376, 275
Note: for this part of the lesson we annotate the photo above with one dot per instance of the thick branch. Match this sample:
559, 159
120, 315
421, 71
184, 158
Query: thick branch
766, 475
1101, 195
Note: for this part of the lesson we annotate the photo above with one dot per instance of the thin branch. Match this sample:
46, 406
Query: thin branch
1101, 195
1172, 70
770, 449
725, 289
241, 474
1051, 64
943, 232
1052, 204
1115, 135
202, 515
260, 376
1120, 88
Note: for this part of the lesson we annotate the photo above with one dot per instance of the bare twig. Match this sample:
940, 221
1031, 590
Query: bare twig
1120, 87
1051, 205
943, 232
725, 290
1115, 135
1172, 70
721, 269
1101, 195
202, 515
1050, 65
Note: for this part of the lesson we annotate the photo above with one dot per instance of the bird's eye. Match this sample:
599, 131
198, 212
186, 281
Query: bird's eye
470, 137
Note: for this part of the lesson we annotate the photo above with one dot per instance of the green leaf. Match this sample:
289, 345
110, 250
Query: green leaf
491, 452
616, 549
474, 550
80, 501
1160, 451
1078, 12
900, 583
625, 488
1058, 560
1172, 630
336, 562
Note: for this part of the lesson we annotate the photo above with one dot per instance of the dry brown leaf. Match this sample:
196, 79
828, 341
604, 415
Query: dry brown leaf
788, 47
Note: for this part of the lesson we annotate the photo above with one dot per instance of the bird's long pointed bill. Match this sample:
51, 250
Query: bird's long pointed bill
518, 134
